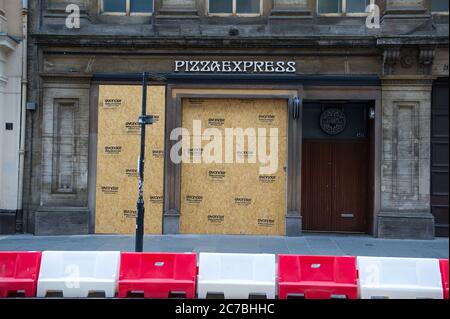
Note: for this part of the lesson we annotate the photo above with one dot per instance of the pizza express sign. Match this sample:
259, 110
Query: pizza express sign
235, 67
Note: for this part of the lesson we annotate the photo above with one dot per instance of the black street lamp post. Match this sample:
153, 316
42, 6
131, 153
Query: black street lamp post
143, 120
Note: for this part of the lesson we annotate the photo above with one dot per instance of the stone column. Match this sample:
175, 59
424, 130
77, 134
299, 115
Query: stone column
405, 171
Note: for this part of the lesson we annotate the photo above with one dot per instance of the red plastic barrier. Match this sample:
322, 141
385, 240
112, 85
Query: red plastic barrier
19, 273
443, 263
317, 277
158, 275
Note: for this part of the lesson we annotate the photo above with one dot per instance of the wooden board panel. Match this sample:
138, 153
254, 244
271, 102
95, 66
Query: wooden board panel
235, 198
118, 147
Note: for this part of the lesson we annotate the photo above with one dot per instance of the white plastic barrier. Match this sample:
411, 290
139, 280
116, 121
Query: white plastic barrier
77, 274
236, 276
399, 278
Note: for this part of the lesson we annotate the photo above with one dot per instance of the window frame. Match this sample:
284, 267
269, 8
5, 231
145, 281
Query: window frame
440, 13
234, 13
127, 12
343, 11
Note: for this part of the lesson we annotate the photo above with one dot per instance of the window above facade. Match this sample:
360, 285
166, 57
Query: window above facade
439, 6
127, 7
338, 7
235, 7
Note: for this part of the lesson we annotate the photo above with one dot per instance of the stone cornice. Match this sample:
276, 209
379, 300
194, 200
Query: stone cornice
175, 41
408, 80
412, 40
132, 42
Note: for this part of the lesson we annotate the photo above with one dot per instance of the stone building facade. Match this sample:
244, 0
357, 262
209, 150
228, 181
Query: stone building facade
396, 72
13, 29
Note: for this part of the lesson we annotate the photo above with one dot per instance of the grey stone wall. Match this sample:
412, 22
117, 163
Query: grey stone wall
65, 134
405, 181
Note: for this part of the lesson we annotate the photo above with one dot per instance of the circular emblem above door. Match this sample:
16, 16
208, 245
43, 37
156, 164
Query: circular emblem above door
333, 121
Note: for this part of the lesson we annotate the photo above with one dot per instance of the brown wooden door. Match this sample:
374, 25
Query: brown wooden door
335, 185
350, 186
439, 158
317, 183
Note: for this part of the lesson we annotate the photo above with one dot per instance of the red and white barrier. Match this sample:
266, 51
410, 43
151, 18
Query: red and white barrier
443, 264
239, 276
19, 273
399, 278
78, 274
317, 277
158, 275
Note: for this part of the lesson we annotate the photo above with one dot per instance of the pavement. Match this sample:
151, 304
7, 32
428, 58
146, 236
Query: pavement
310, 244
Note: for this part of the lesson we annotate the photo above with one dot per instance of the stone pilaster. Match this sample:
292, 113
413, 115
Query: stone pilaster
63, 190
65, 133
405, 165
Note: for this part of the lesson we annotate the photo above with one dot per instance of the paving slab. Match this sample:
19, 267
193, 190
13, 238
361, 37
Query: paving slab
308, 244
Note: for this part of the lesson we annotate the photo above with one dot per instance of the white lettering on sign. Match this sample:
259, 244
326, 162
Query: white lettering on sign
235, 67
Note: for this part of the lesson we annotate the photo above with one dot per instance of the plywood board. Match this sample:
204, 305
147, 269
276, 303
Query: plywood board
118, 148
235, 198
251, 114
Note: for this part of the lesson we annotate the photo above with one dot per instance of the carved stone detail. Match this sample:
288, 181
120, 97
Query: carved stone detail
426, 59
391, 57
